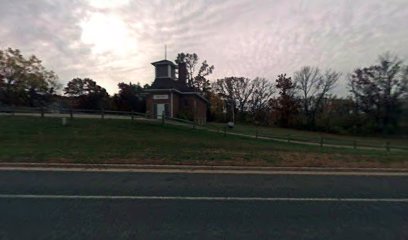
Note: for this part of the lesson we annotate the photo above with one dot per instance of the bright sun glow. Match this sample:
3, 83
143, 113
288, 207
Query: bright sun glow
106, 33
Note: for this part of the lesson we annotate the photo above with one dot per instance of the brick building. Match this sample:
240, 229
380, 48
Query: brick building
170, 95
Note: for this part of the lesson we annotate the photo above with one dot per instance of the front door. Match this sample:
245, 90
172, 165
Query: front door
160, 108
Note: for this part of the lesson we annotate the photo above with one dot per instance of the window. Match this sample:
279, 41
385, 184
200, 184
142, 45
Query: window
162, 71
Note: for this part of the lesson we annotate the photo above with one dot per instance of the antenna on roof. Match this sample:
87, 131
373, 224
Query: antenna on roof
165, 52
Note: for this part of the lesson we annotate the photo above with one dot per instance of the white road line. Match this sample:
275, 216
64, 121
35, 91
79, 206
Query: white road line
190, 198
209, 171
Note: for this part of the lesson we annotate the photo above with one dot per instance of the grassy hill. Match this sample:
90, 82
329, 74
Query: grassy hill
315, 137
33, 139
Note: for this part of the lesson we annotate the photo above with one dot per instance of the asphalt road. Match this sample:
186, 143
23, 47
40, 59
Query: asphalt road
108, 205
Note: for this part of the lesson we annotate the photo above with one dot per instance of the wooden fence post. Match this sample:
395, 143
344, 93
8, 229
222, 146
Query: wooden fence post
321, 141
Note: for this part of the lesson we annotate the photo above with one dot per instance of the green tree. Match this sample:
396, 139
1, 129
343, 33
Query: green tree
87, 94
25, 81
130, 98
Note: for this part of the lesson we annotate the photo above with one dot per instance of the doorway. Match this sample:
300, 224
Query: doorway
160, 108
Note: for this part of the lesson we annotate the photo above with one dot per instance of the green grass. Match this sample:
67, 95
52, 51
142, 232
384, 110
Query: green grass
33, 139
315, 137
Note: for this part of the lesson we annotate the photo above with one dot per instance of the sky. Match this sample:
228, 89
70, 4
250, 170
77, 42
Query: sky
114, 41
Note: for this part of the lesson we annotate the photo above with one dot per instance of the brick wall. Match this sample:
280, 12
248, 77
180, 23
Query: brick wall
176, 104
150, 103
185, 106
193, 108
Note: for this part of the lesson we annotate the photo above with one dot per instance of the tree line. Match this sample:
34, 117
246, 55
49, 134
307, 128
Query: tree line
377, 99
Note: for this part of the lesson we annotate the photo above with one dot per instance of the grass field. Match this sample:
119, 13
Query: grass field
33, 139
315, 137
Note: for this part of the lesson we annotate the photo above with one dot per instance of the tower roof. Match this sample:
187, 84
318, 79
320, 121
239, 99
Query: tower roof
164, 62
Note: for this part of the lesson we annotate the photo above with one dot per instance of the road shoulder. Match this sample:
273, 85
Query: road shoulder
201, 169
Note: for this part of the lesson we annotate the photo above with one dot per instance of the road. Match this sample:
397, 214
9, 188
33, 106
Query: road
142, 205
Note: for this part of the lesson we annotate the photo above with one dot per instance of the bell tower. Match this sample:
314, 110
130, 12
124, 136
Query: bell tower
165, 69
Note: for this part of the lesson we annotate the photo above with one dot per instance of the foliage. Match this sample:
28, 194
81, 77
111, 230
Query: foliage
378, 91
378, 102
86, 94
217, 111
25, 81
286, 105
336, 115
129, 98
196, 79
235, 91
248, 97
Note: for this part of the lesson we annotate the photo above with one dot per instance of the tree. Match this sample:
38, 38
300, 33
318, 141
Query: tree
130, 98
88, 93
75, 87
196, 79
216, 111
314, 88
25, 81
236, 91
286, 104
336, 115
378, 91
262, 91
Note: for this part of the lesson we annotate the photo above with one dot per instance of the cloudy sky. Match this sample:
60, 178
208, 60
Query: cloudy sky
116, 40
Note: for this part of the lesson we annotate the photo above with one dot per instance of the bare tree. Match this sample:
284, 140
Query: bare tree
262, 92
236, 91
306, 80
313, 87
196, 78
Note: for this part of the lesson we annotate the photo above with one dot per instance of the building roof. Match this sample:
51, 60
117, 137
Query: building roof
169, 83
164, 62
